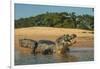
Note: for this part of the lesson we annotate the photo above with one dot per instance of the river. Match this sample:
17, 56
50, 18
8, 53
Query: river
75, 55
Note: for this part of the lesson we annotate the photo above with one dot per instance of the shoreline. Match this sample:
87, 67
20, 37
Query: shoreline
84, 40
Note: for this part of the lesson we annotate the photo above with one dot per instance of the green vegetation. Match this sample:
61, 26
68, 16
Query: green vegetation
64, 20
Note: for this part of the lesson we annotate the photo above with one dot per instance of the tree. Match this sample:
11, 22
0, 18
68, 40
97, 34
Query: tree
63, 19
73, 16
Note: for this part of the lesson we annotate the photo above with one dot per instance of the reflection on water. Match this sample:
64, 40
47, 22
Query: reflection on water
76, 54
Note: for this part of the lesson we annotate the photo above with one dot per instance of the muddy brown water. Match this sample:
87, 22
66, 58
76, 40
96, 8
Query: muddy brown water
75, 55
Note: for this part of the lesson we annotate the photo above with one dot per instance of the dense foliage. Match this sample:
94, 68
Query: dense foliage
64, 20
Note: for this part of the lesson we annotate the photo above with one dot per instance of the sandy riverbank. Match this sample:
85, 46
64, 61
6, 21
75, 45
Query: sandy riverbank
85, 38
